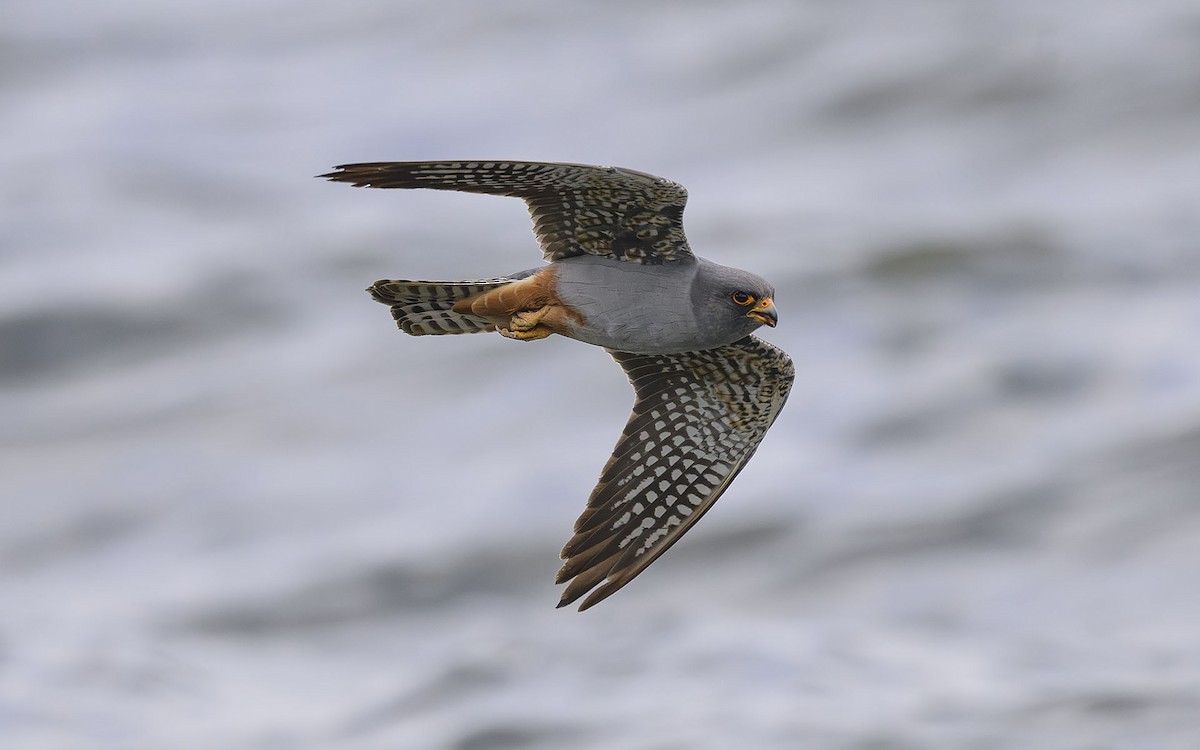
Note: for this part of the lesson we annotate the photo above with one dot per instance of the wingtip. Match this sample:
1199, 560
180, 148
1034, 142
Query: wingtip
599, 595
337, 175
594, 596
575, 591
358, 175
565, 602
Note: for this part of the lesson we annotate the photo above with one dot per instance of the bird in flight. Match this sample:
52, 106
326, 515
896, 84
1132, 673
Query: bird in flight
619, 275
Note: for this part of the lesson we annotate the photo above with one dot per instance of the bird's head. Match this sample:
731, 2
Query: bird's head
760, 308
733, 303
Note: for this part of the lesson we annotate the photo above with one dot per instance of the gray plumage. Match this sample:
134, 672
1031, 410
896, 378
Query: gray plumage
678, 306
620, 276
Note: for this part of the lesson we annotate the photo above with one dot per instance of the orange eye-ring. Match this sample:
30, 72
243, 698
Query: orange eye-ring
741, 298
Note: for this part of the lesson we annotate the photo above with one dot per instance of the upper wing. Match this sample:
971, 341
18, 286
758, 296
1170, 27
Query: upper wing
697, 420
577, 208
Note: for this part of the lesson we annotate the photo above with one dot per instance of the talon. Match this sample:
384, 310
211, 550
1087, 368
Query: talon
527, 320
533, 334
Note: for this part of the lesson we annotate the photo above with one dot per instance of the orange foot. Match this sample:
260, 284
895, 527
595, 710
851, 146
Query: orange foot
524, 325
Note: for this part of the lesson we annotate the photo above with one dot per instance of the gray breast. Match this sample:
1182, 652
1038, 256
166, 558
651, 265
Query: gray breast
629, 306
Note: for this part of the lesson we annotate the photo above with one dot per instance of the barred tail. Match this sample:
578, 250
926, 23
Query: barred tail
423, 308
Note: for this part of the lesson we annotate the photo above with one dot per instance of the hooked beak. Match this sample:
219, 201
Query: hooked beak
764, 312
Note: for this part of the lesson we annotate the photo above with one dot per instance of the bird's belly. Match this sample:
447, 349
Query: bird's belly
634, 336
626, 306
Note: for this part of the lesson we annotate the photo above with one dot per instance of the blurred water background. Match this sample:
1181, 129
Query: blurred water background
240, 510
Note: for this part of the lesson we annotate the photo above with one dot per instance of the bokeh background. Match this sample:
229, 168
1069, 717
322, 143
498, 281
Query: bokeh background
240, 510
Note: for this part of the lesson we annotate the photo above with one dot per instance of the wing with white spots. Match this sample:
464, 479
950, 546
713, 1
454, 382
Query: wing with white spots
577, 209
697, 419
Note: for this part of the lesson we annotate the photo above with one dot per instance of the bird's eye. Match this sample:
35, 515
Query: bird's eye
741, 298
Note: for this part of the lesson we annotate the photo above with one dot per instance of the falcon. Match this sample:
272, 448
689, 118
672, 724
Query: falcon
619, 275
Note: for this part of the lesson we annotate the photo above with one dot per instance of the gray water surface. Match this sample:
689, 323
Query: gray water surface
242, 511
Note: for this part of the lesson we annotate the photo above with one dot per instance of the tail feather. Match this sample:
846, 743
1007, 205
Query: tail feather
423, 308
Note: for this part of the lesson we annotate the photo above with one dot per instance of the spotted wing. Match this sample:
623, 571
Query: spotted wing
577, 209
697, 419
